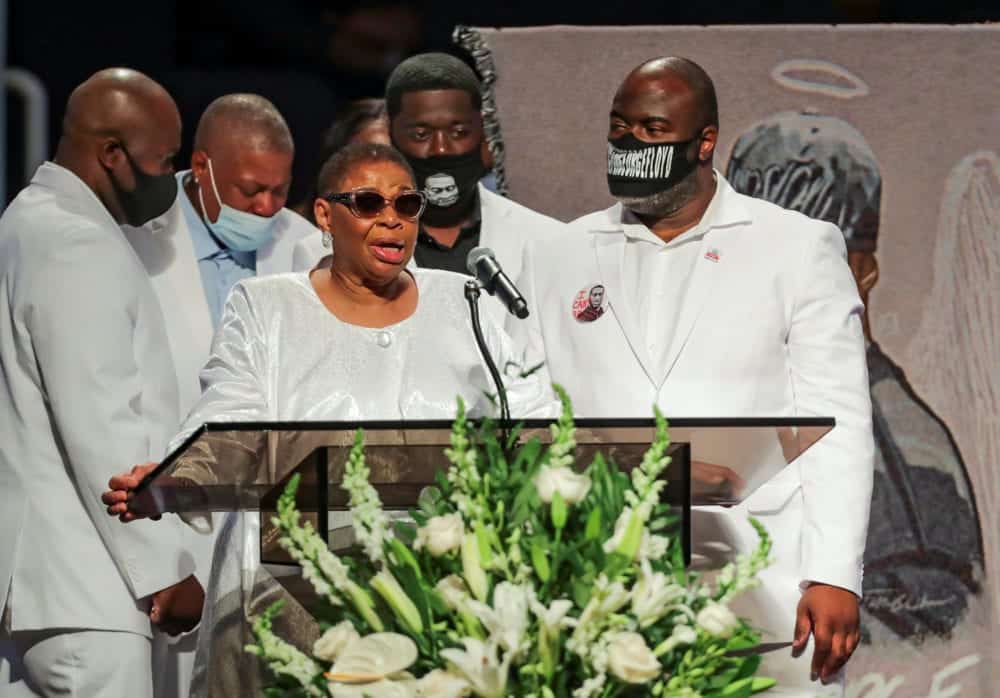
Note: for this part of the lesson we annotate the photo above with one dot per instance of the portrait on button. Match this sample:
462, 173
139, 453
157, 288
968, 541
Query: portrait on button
441, 190
589, 304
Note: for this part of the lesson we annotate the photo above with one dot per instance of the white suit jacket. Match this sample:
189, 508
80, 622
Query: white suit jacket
86, 391
166, 250
506, 228
770, 327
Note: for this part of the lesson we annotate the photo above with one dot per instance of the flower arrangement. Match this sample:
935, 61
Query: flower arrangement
508, 583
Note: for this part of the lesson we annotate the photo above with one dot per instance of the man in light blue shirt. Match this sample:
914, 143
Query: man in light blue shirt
227, 223
220, 267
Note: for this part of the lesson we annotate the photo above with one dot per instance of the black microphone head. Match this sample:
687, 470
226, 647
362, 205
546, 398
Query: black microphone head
475, 254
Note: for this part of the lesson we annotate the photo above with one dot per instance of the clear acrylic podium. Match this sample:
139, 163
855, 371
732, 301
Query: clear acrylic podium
244, 467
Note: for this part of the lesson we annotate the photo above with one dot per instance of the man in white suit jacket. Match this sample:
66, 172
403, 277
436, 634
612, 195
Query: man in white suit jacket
86, 390
715, 304
436, 121
228, 222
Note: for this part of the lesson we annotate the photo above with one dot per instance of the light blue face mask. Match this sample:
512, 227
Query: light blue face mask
237, 230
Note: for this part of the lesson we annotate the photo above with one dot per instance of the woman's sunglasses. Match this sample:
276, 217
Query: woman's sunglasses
368, 203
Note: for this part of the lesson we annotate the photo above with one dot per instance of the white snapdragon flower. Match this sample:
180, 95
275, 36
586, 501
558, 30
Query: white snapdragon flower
478, 664
592, 687
371, 524
334, 640
441, 534
631, 660
507, 622
572, 486
716, 619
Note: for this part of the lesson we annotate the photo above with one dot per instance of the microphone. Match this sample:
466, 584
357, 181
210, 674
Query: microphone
483, 265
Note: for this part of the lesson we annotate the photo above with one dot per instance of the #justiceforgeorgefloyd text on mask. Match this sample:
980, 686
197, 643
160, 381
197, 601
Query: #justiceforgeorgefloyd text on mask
637, 168
450, 183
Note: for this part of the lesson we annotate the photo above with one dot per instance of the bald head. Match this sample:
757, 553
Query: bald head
662, 133
681, 77
121, 131
120, 103
247, 121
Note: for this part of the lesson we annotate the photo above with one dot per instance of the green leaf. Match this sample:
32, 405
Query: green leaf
762, 683
749, 666
737, 689
558, 509
540, 561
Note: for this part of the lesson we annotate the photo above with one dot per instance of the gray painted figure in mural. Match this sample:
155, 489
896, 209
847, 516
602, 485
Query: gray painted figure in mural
924, 555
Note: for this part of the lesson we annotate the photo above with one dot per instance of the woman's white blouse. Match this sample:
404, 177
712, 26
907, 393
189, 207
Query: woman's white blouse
280, 354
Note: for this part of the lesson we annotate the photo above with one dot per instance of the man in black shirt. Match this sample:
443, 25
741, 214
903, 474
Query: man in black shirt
435, 120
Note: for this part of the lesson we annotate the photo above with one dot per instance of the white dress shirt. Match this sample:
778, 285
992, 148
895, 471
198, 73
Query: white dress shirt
658, 274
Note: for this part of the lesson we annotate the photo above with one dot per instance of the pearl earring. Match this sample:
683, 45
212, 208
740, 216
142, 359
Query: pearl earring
327, 239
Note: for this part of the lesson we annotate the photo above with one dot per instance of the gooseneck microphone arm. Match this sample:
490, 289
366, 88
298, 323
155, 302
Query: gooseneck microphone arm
472, 293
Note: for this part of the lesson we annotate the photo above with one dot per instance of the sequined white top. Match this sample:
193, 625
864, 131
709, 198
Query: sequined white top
280, 354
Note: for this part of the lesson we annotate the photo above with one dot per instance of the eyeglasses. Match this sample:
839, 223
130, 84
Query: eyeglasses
368, 203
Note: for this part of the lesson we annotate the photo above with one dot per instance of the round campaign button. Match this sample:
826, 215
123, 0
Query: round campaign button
590, 303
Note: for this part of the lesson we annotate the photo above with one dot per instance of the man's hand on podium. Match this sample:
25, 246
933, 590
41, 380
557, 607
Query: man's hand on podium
119, 495
177, 609
832, 615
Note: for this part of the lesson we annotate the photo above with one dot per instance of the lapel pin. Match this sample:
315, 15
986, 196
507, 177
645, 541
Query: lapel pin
589, 303
713, 255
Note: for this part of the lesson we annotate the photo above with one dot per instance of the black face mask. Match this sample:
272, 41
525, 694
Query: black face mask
637, 168
152, 196
450, 183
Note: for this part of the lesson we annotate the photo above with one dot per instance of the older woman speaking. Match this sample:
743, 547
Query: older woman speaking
363, 339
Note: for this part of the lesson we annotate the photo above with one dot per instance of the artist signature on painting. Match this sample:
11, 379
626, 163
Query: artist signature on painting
900, 601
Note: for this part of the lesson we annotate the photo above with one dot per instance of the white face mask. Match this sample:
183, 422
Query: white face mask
237, 230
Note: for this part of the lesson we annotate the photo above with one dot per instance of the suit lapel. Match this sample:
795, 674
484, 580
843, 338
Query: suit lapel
701, 287
493, 232
609, 251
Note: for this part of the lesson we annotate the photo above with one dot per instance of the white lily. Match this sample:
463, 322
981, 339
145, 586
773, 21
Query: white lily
680, 636
329, 646
651, 547
442, 684
554, 618
507, 622
472, 568
478, 664
653, 595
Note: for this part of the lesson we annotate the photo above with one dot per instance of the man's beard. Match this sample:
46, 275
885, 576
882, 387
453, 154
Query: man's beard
666, 202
